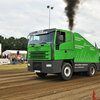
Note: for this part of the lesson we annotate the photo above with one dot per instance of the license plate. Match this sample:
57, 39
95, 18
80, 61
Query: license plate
38, 71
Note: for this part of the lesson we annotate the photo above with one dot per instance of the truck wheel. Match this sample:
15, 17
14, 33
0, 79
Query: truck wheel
41, 74
67, 71
91, 70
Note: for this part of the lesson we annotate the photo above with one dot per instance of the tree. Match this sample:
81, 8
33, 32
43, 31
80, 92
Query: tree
12, 43
23, 43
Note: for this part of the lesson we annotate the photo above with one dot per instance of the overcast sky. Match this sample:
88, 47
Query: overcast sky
20, 17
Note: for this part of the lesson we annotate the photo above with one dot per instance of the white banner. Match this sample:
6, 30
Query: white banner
4, 61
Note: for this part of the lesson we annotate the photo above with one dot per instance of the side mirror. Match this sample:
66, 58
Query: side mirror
61, 37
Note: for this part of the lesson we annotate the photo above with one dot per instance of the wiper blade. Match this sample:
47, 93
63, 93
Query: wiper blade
32, 44
43, 43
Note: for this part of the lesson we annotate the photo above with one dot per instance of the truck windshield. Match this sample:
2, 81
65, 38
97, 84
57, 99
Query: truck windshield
41, 39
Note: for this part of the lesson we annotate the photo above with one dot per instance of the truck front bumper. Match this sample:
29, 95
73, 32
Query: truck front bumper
45, 66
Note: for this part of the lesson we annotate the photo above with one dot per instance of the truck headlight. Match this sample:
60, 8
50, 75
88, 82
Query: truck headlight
48, 65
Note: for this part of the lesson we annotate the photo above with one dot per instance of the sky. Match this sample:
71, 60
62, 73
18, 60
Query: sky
20, 17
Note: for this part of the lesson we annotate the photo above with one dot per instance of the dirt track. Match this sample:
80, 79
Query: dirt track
24, 85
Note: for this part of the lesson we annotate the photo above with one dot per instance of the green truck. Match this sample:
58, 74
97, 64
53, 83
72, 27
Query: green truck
62, 52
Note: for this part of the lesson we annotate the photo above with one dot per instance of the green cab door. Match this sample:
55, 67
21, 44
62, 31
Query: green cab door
63, 43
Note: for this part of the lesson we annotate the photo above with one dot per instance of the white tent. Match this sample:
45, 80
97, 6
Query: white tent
14, 52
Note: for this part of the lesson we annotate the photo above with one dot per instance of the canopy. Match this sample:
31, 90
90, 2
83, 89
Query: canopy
14, 52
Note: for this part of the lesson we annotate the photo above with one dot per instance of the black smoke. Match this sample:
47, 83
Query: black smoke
70, 10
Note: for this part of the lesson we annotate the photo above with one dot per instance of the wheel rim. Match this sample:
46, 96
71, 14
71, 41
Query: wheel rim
92, 70
67, 71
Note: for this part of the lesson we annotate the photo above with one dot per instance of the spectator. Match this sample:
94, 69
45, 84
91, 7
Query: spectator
1, 55
10, 59
7, 56
22, 59
4, 56
18, 59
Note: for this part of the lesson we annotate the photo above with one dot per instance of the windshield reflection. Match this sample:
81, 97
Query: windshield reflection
41, 39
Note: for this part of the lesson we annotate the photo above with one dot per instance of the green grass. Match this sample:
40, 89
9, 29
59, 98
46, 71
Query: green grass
13, 67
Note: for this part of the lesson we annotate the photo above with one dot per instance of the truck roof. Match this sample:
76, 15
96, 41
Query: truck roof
45, 31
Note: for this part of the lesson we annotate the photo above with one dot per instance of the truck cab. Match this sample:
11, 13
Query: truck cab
53, 51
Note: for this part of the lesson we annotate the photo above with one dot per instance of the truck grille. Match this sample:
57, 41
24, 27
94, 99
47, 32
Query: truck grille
38, 55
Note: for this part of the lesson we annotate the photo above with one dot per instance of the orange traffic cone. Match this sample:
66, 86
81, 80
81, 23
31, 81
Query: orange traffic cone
94, 95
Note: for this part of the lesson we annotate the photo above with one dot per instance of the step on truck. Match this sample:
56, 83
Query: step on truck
57, 51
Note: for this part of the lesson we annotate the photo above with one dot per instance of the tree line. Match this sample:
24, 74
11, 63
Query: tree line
12, 43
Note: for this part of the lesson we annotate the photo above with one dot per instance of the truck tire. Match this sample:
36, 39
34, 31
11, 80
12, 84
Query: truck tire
91, 70
41, 74
66, 71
